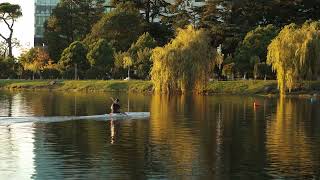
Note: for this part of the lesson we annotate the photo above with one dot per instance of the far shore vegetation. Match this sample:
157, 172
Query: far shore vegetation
239, 87
218, 47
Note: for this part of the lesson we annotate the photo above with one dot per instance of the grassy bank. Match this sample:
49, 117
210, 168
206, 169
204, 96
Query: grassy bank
81, 85
241, 87
260, 87
218, 87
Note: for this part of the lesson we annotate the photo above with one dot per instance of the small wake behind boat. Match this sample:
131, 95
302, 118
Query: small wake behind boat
103, 117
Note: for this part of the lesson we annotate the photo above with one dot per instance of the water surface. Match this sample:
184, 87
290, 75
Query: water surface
188, 137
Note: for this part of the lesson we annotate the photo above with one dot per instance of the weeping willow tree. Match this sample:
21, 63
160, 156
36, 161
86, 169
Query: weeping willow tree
184, 63
295, 54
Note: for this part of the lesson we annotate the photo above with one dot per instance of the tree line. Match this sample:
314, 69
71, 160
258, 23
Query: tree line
161, 41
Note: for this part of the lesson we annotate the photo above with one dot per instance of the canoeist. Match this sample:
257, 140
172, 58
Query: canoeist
115, 107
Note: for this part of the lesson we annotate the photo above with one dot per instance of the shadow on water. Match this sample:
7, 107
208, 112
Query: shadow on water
187, 137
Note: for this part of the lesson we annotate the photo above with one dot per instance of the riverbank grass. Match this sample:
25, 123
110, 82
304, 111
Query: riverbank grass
245, 87
80, 85
260, 87
242, 87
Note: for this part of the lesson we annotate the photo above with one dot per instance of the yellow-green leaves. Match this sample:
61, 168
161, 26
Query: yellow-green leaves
127, 61
184, 63
37, 60
295, 54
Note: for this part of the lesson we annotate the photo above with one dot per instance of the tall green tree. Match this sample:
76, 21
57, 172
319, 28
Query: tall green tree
9, 68
70, 21
284, 12
221, 19
150, 9
295, 54
9, 13
253, 48
138, 57
183, 13
153, 12
121, 27
184, 63
100, 57
73, 60
247, 14
161, 32
141, 52
230, 20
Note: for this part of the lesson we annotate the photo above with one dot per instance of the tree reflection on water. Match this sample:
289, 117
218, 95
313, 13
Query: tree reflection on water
203, 137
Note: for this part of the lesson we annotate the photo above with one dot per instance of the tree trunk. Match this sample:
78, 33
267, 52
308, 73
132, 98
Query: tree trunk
10, 48
148, 11
9, 41
129, 73
75, 72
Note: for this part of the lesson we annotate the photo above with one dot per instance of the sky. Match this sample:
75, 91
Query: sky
24, 27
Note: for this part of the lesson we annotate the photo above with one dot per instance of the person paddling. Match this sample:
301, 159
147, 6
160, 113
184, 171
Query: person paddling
115, 106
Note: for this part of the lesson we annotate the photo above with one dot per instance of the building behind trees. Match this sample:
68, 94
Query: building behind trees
43, 10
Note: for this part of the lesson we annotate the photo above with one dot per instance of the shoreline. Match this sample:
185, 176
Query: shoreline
78, 85
241, 87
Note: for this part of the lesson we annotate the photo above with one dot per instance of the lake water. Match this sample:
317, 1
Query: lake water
186, 137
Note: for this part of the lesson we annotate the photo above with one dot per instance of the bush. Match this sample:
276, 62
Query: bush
96, 73
229, 71
7, 67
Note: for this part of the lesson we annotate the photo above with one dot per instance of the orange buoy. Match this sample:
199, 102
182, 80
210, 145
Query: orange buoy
255, 104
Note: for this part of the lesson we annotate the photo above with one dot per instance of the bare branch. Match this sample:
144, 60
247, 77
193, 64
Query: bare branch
3, 37
5, 21
13, 21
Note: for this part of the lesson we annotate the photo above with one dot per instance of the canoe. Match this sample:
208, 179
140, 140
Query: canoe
103, 117
113, 116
